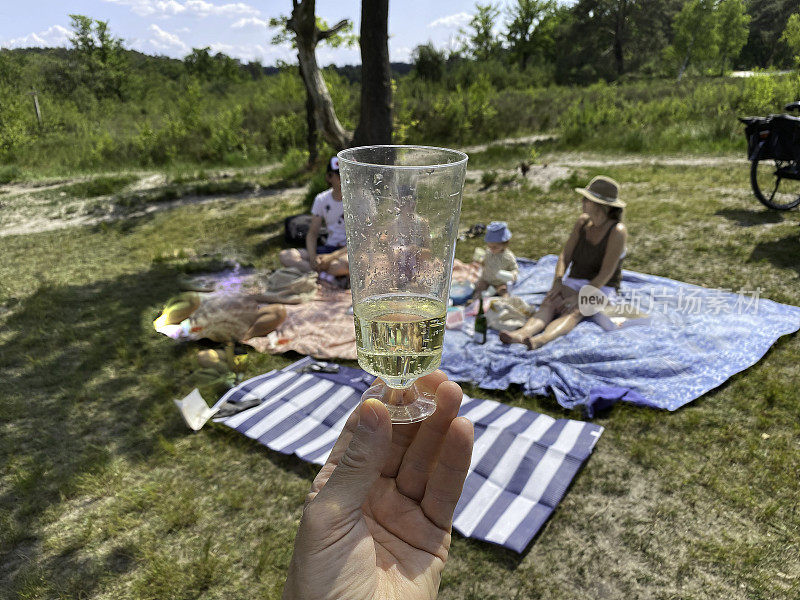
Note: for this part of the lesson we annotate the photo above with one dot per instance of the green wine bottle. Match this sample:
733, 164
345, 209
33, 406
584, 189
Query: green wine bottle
480, 324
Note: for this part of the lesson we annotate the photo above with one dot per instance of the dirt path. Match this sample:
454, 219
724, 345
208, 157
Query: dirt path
513, 141
588, 160
21, 216
22, 212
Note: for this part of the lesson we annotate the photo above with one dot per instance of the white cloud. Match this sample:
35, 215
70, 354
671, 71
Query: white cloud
400, 54
220, 47
203, 8
250, 22
248, 52
164, 40
451, 21
51, 37
197, 8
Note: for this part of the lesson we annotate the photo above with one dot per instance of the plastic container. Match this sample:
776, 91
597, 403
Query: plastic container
505, 276
454, 318
461, 291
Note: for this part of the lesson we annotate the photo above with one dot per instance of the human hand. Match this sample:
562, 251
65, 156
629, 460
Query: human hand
555, 291
378, 518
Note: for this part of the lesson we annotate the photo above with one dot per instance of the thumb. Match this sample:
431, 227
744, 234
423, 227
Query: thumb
361, 463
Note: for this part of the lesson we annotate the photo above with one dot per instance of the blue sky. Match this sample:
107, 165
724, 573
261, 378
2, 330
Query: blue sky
238, 28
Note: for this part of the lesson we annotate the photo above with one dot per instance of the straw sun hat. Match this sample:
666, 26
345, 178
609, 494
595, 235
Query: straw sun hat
602, 190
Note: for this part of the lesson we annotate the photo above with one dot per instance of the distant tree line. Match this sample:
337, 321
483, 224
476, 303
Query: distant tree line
592, 40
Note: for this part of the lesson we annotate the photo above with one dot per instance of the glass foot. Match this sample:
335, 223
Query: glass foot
410, 405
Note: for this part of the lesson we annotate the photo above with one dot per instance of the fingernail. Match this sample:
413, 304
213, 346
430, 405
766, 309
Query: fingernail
367, 417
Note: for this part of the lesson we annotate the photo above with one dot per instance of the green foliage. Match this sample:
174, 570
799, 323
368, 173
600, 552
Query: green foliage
98, 186
791, 37
488, 178
525, 34
218, 68
732, 29
662, 116
169, 115
696, 35
344, 37
480, 41
318, 183
9, 174
101, 64
429, 63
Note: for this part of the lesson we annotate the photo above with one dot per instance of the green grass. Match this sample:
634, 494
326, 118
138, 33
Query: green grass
105, 493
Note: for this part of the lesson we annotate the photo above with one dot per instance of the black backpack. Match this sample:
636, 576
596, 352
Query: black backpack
296, 228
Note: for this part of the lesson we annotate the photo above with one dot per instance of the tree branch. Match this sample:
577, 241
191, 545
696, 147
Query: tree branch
324, 35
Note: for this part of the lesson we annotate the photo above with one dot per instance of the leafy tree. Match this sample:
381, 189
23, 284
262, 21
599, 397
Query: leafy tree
608, 38
732, 29
428, 62
319, 106
769, 20
9, 69
480, 41
696, 35
102, 63
791, 37
219, 68
523, 27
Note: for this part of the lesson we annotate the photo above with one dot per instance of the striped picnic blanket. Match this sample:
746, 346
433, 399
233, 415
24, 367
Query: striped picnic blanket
522, 462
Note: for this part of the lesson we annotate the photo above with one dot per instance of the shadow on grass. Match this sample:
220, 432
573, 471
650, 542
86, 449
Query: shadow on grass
273, 238
87, 383
84, 383
749, 218
783, 253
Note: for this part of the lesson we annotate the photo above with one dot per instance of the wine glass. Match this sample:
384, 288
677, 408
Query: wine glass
401, 210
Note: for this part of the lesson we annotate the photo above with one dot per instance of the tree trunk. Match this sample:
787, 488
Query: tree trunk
686, 60
375, 122
303, 23
619, 26
619, 58
311, 136
311, 126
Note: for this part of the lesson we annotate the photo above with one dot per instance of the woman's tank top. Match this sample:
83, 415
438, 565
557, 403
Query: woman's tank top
587, 258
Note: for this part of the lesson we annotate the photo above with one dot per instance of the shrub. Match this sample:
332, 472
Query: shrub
488, 178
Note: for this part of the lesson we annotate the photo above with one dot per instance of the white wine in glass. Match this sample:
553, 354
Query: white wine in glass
399, 337
402, 205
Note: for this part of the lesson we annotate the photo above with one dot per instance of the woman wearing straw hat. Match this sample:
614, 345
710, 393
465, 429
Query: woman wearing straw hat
593, 253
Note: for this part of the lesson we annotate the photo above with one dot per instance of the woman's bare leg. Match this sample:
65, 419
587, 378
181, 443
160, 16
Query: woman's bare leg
535, 324
561, 326
292, 257
269, 317
339, 266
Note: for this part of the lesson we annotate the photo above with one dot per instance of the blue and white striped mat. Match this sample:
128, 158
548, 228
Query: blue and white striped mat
522, 462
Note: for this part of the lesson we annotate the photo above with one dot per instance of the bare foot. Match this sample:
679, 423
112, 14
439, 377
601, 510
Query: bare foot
535, 342
513, 337
519, 336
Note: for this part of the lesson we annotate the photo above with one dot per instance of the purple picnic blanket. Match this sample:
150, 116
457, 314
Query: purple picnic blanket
695, 340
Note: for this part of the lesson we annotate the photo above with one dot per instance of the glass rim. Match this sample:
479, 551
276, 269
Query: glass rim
462, 156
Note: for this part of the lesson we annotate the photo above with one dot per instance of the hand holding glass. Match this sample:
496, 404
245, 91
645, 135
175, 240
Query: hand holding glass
401, 207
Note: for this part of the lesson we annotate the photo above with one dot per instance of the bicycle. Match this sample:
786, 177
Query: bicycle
773, 149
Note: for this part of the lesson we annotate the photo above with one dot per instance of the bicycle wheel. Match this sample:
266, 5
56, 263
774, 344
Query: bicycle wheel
772, 189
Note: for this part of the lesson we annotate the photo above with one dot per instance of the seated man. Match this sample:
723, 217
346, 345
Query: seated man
330, 257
